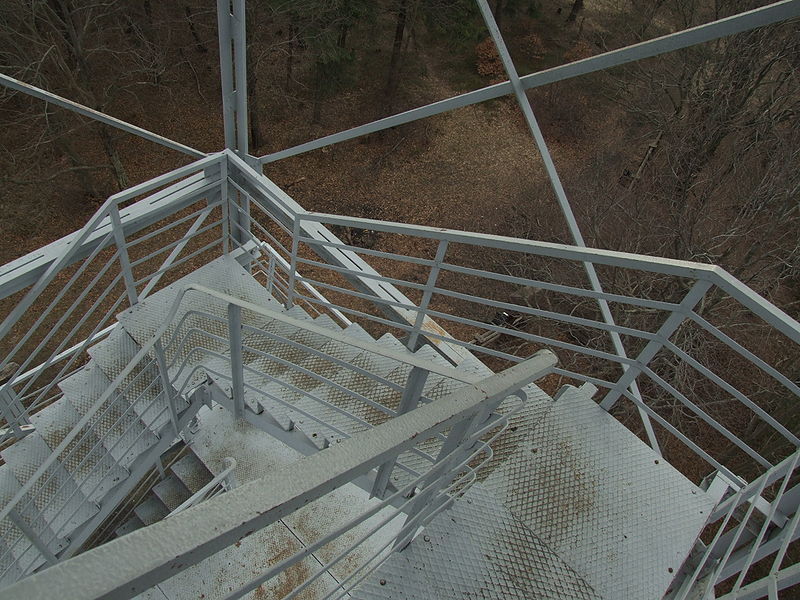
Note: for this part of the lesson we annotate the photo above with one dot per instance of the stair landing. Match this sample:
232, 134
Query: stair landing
257, 454
604, 501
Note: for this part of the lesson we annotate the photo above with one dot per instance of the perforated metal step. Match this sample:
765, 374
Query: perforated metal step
116, 424
142, 387
171, 492
602, 499
55, 494
17, 554
476, 549
85, 458
192, 472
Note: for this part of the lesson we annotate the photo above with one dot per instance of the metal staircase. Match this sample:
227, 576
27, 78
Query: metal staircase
340, 431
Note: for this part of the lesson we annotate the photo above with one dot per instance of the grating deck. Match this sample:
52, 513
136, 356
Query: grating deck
602, 499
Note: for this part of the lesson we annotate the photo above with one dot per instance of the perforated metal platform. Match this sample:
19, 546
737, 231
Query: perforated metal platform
475, 550
602, 499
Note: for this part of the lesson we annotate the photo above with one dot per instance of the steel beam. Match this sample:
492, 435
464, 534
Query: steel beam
96, 115
767, 15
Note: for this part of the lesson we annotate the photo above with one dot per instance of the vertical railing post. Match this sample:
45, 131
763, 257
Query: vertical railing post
237, 361
412, 393
161, 361
231, 19
452, 452
293, 262
11, 407
29, 533
270, 271
670, 325
122, 249
430, 284
227, 230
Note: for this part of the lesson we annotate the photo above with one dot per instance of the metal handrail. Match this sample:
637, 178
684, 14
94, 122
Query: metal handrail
189, 537
158, 335
706, 278
221, 482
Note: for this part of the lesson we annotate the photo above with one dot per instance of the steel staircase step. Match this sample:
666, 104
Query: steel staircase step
151, 510
55, 494
602, 499
326, 367
115, 423
322, 366
269, 375
477, 549
171, 492
191, 472
142, 387
10, 567
19, 555
198, 314
87, 460
355, 382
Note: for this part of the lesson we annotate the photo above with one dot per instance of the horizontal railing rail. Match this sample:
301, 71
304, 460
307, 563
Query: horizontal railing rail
222, 482
77, 285
448, 280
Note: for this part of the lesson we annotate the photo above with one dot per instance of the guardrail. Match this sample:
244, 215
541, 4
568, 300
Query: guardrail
709, 355
187, 538
65, 297
463, 280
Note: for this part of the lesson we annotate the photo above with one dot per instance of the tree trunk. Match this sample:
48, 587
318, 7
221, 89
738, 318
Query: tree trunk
577, 6
316, 115
113, 156
290, 57
394, 62
198, 43
254, 114
343, 29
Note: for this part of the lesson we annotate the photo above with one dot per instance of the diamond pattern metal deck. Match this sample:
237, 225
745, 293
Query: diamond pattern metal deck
602, 499
64, 507
476, 549
123, 434
85, 458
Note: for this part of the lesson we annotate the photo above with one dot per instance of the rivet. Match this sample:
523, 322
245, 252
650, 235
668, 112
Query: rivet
382, 582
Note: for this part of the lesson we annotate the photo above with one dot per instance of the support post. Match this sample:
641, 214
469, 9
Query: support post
124, 259
231, 20
270, 273
412, 393
237, 364
166, 385
293, 263
433, 275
